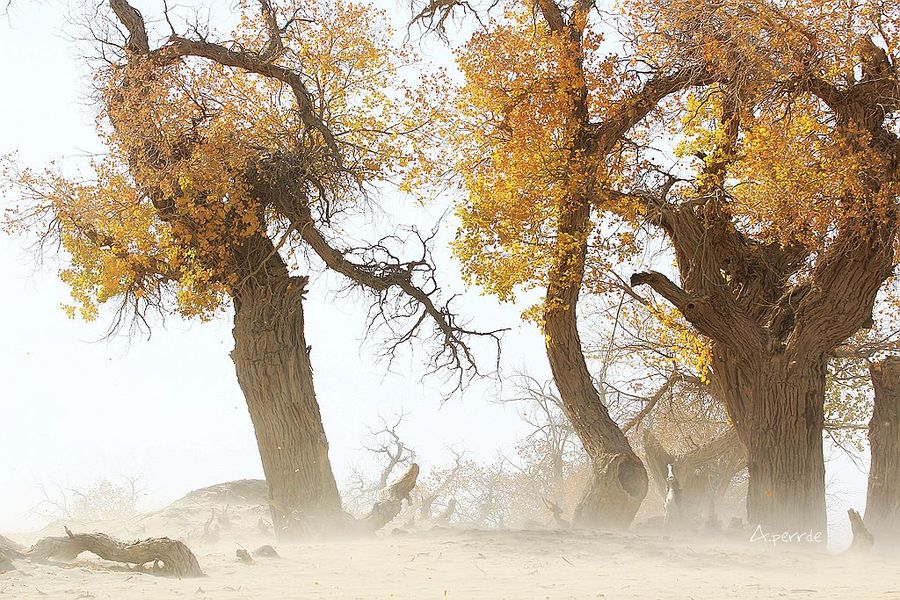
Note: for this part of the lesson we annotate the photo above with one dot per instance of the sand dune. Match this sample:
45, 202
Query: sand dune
448, 563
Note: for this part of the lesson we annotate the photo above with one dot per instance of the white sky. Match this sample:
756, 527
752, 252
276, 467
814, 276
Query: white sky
74, 409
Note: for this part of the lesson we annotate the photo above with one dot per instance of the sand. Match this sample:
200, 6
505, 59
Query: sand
449, 563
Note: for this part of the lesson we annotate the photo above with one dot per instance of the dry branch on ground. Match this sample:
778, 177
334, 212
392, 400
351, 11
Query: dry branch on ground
165, 556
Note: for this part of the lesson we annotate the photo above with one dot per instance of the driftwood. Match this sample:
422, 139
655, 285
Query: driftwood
672, 503
390, 503
862, 538
165, 556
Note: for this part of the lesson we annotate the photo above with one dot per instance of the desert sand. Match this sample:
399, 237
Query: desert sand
449, 563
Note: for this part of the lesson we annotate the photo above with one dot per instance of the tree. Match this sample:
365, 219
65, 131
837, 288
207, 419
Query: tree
883, 499
787, 232
540, 131
228, 164
779, 204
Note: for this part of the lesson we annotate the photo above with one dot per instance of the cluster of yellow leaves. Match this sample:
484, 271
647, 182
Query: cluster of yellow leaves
165, 216
681, 343
792, 176
515, 131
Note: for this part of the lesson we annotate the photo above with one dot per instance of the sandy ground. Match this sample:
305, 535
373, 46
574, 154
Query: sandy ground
447, 563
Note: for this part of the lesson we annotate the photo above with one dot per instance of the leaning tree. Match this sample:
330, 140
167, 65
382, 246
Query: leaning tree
786, 231
228, 164
541, 132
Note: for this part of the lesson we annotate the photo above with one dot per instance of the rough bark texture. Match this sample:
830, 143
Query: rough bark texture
703, 474
775, 312
618, 480
271, 358
781, 422
165, 556
883, 498
389, 504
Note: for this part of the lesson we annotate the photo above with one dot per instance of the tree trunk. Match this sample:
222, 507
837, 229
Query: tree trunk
776, 405
704, 473
274, 371
618, 480
883, 498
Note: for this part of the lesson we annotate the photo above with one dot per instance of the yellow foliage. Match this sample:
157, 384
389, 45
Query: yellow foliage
167, 215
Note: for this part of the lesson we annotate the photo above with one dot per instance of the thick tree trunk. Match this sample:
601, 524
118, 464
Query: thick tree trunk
883, 499
618, 480
273, 368
776, 405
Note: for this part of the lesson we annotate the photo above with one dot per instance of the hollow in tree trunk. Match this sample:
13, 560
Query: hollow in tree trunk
274, 371
883, 498
776, 406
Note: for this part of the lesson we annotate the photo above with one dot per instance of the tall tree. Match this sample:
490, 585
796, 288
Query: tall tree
541, 129
787, 232
228, 163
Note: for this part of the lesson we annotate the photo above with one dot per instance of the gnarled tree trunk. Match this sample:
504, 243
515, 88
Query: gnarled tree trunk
274, 371
618, 480
777, 408
883, 498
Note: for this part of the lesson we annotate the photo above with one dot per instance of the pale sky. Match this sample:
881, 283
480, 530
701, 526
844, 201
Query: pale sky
74, 407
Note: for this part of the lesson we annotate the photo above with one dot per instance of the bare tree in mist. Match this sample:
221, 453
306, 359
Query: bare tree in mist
102, 500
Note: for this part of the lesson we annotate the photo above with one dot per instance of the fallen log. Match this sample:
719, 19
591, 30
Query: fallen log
165, 556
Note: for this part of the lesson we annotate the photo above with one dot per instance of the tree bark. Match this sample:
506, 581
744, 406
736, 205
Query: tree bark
883, 499
273, 367
166, 556
618, 481
777, 409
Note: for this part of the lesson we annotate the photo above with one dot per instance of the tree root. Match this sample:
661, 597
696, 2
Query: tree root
165, 556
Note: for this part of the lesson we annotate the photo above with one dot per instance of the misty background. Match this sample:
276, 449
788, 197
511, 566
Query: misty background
75, 407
